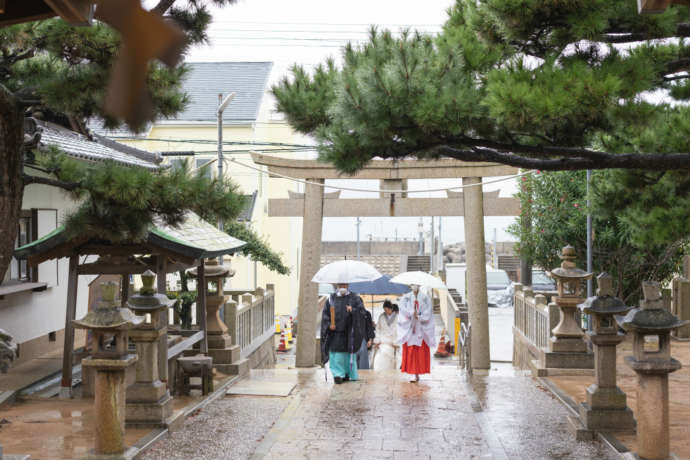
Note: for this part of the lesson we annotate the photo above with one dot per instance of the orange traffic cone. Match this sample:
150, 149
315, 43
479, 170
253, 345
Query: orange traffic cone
441, 351
281, 346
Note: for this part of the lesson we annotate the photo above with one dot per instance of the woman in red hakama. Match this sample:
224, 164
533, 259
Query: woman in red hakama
416, 332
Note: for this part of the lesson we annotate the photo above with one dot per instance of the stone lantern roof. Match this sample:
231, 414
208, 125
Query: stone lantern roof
651, 317
108, 315
147, 299
604, 303
568, 269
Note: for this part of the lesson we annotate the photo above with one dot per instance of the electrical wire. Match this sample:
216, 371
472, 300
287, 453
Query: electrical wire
352, 189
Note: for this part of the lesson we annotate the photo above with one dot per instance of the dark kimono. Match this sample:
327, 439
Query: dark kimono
339, 346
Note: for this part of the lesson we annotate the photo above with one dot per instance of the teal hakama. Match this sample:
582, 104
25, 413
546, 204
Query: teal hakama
343, 364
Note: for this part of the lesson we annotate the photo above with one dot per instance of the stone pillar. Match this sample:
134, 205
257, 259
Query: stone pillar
310, 264
230, 320
652, 367
476, 272
681, 305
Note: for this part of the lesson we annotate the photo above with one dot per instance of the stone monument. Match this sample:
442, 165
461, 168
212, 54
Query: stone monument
148, 400
605, 408
651, 325
110, 325
566, 348
220, 346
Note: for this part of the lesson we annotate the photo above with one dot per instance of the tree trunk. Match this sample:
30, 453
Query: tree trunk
11, 169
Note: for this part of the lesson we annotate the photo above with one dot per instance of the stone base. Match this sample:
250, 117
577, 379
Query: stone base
146, 391
567, 345
128, 454
606, 398
616, 420
563, 360
149, 413
538, 371
578, 430
219, 341
227, 355
240, 367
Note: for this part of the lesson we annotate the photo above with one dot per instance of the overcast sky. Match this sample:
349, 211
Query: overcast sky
309, 31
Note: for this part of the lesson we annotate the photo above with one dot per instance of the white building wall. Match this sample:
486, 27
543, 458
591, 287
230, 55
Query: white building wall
29, 315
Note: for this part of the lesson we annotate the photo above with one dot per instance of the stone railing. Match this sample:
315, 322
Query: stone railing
533, 316
449, 312
250, 318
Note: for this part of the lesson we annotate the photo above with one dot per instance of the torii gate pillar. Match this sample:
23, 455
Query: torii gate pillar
308, 301
476, 272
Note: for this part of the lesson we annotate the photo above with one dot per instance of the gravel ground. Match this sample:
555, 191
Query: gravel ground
228, 428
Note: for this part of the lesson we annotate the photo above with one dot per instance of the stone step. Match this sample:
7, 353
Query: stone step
240, 368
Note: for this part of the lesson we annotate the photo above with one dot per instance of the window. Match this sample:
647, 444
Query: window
20, 270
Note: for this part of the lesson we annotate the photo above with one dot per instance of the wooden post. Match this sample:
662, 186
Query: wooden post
70, 312
161, 262
201, 305
124, 289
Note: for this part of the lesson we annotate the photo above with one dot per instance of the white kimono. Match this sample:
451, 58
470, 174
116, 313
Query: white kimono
387, 353
413, 331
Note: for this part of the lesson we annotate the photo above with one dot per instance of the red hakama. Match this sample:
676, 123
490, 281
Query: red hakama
416, 359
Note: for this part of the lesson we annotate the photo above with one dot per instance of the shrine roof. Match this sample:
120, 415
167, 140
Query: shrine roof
194, 238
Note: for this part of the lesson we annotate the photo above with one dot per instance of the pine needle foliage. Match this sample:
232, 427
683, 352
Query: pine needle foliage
550, 85
257, 247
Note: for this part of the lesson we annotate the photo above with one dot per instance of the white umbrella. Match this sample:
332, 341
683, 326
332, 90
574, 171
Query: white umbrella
346, 271
420, 278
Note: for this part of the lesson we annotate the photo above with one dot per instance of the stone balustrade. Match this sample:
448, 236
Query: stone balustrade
533, 316
250, 318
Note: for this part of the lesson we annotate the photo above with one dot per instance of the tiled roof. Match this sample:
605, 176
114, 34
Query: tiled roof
78, 146
197, 232
205, 80
96, 126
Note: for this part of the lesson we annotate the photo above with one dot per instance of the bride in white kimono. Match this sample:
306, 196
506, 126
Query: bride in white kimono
387, 350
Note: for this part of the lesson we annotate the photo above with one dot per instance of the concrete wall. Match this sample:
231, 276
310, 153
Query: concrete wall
370, 247
31, 316
263, 357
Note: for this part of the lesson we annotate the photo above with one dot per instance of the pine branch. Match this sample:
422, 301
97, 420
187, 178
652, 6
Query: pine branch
47, 181
163, 6
603, 160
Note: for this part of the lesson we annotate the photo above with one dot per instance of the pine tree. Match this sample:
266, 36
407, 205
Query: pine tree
57, 72
549, 85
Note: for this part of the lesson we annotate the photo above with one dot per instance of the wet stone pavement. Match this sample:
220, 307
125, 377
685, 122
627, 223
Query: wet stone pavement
504, 414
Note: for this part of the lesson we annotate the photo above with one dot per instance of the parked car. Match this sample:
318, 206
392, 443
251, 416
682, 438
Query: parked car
542, 282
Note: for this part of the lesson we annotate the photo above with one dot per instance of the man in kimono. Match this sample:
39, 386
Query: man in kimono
342, 332
416, 332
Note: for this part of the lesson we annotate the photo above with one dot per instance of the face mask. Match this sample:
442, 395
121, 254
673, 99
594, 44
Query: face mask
342, 291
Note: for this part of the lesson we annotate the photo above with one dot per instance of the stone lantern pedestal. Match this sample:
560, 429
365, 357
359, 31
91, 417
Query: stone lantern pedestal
651, 325
220, 346
110, 325
148, 399
605, 408
566, 348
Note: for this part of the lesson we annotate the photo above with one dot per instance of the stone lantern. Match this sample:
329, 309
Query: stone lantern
148, 400
110, 325
651, 325
567, 335
220, 346
605, 408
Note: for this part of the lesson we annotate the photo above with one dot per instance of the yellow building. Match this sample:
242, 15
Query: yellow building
249, 123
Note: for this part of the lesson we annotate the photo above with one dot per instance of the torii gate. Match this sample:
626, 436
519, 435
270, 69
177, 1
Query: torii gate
313, 206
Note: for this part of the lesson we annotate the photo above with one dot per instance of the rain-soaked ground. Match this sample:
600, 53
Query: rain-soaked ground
503, 414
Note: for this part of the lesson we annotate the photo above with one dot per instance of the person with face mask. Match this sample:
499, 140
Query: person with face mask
386, 341
416, 332
342, 332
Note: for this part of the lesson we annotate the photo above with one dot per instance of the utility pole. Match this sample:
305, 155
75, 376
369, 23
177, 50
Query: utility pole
440, 244
359, 221
222, 104
420, 229
432, 246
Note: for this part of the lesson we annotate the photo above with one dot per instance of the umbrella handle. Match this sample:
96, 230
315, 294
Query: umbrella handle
332, 318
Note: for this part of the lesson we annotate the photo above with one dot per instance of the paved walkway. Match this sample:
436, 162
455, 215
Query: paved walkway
446, 416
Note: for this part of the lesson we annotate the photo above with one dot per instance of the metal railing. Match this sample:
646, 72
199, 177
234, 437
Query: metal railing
465, 341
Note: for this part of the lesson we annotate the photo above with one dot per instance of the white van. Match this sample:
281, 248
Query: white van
456, 278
